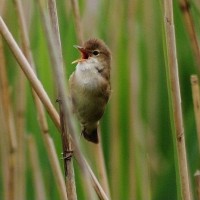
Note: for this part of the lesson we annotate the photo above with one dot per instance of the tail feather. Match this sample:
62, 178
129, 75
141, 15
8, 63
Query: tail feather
92, 137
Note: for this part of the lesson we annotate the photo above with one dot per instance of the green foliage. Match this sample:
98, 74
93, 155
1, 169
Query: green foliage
155, 167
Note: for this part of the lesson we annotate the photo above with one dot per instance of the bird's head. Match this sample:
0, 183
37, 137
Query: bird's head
94, 49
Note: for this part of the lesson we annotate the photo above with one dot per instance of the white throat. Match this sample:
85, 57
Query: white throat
87, 74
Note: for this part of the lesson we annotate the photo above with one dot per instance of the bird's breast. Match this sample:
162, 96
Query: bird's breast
87, 77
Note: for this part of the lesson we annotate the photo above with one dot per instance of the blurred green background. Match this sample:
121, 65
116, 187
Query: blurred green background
136, 130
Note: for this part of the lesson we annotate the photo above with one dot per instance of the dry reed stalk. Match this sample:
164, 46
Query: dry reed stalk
196, 103
185, 9
100, 163
2, 6
4, 143
38, 88
174, 91
115, 15
21, 109
77, 19
66, 142
92, 9
152, 97
197, 179
7, 109
10, 129
36, 169
99, 190
41, 115
115, 139
20, 129
3, 155
132, 47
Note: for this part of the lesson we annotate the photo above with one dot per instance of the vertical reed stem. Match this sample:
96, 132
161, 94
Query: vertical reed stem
132, 55
4, 145
115, 13
196, 103
174, 91
36, 169
8, 116
77, 19
185, 9
21, 108
66, 142
100, 162
197, 179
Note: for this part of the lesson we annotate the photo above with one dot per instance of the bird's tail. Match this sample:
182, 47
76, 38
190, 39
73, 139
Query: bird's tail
91, 136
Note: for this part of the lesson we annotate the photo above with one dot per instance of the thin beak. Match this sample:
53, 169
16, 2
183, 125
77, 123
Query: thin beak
84, 54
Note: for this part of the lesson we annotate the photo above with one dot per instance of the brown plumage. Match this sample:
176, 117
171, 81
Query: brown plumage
90, 86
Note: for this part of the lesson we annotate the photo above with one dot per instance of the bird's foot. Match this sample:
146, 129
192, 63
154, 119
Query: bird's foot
58, 100
67, 155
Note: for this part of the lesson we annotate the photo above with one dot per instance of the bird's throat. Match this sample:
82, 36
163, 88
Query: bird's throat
87, 75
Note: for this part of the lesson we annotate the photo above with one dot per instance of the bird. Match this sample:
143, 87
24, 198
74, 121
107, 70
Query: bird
89, 86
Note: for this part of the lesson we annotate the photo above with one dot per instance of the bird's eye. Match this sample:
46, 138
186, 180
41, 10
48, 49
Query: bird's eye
95, 52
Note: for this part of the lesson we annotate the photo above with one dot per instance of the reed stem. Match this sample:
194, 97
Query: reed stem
133, 94
66, 142
197, 180
196, 103
115, 13
174, 91
10, 129
21, 109
77, 20
100, 163
5, 144
185, 9
37, 173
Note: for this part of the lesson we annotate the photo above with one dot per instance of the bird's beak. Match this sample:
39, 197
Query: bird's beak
84, 54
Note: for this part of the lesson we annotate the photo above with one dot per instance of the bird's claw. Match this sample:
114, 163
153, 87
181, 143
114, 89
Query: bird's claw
68, 155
